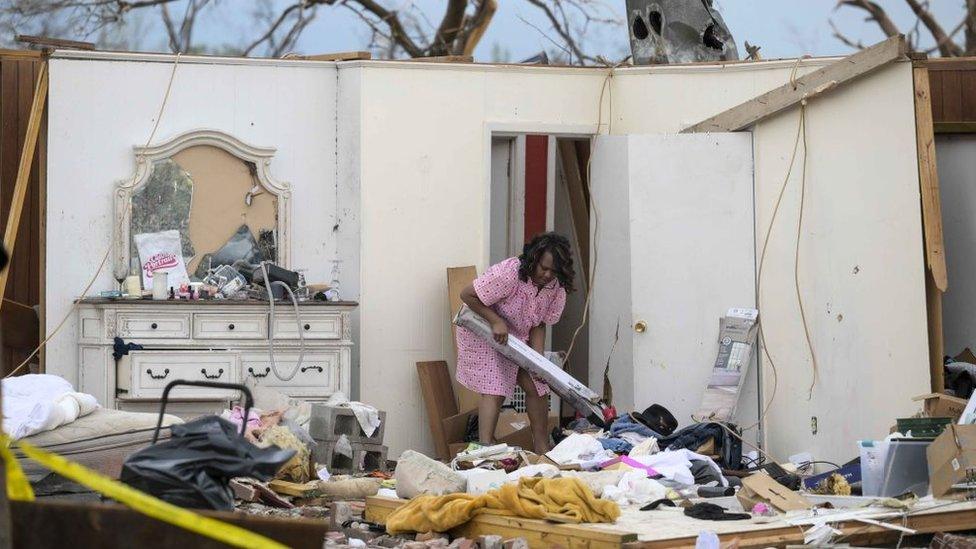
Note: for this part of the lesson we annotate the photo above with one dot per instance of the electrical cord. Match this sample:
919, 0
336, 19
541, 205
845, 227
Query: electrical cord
268, 285
108, 251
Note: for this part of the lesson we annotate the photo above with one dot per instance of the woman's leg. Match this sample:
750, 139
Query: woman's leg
488, 409
538, 410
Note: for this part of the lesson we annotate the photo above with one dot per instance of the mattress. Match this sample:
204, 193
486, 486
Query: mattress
100, 441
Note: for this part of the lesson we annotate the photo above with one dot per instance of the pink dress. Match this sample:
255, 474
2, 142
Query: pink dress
523, 306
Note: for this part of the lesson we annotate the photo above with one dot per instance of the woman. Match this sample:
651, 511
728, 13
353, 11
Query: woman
519, 297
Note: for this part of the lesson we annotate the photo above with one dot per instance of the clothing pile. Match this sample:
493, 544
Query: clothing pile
36, 403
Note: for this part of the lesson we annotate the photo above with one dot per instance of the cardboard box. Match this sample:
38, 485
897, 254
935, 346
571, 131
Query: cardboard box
761, 488
941, 405
513, 429
950, 456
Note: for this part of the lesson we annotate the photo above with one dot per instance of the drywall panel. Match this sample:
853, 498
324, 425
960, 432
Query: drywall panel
611, 326
426, 204
957, 182
100, 109
692, 258
345, 263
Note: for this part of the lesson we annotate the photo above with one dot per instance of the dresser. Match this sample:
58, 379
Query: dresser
215, 340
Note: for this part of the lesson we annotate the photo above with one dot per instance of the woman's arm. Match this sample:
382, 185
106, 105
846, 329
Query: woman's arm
537, 338
498, 326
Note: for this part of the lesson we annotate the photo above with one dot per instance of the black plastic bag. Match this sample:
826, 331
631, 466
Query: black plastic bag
194, 467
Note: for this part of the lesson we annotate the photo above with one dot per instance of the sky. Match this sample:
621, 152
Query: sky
782, 28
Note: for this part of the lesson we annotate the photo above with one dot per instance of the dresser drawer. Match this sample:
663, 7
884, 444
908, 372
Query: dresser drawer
318, 375
150, 371
230, 326
154, 325
313, 326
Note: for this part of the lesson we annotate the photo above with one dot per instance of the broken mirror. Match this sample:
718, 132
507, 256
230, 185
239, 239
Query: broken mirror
163, 204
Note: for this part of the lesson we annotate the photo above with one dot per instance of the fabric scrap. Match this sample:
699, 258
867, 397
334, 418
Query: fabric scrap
560, 499
710, 511
35, 403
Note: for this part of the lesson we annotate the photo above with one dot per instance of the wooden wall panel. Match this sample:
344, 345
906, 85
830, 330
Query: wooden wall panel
953, 86
18, 74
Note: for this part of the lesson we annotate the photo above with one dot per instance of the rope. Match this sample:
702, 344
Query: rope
108, 251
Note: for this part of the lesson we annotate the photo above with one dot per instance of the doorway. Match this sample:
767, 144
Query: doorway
538, 184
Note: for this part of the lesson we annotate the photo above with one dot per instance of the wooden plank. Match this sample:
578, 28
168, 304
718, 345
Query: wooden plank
442, 59
18, 282
933, 308
968, 88
23, 170
928, 178
41, 249
537, 533
339, 56
935, 89
955, 127
20, 54
457, 279
951, 96
438, 392
55, 42
836, 74
578, 202
951, 64
110, 525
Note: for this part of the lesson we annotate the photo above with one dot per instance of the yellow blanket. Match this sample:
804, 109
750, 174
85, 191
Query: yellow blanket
558, 499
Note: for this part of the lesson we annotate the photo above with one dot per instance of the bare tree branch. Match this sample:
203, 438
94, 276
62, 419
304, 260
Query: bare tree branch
443, 41
875, 13
947, 47
840, 36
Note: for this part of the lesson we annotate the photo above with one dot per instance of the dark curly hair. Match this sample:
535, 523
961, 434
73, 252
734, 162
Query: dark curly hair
562, 258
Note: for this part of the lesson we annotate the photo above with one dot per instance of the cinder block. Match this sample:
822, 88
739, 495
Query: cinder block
328, 423
366, 458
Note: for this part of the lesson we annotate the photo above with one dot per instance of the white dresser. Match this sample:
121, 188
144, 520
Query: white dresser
224, 341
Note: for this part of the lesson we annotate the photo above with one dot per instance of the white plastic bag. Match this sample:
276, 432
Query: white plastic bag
161, 252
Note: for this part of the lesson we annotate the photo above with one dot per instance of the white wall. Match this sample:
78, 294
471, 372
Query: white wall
861, 259
100, 109
425, 207
957, 184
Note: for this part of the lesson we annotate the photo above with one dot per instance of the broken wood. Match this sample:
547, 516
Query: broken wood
538, 533
294, 489
578, 202
832, 76
54, 42
444, 59
339, 56
111, 525
928, 179
438, 392
457, 279
23, 172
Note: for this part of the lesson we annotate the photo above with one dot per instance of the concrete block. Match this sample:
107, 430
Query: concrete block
328, 423
366, 458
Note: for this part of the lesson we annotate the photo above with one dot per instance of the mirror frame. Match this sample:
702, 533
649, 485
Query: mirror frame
145, 161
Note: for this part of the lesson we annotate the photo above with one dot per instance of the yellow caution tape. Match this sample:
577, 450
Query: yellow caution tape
18, 487
126, 495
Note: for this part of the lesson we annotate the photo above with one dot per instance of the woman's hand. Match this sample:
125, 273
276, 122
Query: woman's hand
499, 331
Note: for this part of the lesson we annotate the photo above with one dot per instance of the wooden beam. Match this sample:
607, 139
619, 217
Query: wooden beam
21, 54
55, 42
444, 59
66, 523
836, 74
928, 178
23, 171
951, 64
340, 56
955, 127
537, 533
577, 202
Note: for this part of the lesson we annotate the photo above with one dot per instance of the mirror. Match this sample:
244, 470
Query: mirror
215, 192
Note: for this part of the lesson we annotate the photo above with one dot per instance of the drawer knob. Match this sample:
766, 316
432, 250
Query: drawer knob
219, 373
308, 327
230, 327
267, 370
154, 376
305, 368
154, 326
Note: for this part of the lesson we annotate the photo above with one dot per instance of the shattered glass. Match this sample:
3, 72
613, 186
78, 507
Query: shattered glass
163, 204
